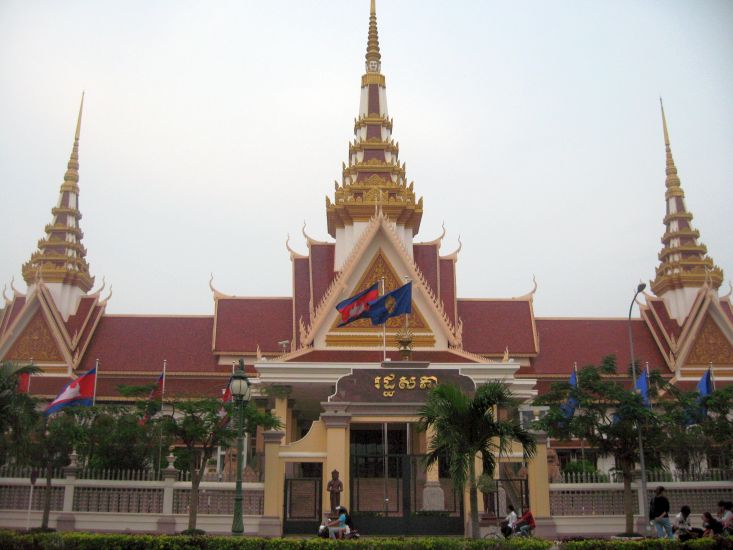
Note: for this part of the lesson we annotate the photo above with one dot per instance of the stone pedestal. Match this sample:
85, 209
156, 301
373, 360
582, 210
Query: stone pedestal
433, 497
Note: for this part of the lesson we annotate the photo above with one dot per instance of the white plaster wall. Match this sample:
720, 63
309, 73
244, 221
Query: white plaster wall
66, 297
679, 301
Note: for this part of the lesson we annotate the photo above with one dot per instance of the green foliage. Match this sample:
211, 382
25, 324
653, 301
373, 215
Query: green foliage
579, 467
467, 426
17, 413
87, 541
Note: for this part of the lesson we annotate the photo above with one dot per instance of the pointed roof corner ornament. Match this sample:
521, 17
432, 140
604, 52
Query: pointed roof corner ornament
217, 294
310, 240
454, 255
293, 253
505, 359
60, 257
5, 297
530, 295
259, 353
683, 260
106, 300
101, 288
438, 240
12, 287
730, 291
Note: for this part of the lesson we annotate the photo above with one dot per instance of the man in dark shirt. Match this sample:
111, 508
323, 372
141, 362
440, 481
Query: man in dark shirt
660, 514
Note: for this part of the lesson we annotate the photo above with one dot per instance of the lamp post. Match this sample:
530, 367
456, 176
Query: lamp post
241, 392
642, 465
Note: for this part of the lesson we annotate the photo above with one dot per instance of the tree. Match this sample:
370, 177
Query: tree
465, 427
53, 441
608, 415
17, 412
198, 426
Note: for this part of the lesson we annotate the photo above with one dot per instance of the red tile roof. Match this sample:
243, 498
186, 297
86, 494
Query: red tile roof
426, 258
322, 273
490, 326
586, 341
301, 290
670, 325
141, 343
448, 288
11, 312
366, 356
242, 324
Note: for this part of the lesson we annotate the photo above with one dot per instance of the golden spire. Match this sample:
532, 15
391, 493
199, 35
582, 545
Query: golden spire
60, 255
683, 260
373, 57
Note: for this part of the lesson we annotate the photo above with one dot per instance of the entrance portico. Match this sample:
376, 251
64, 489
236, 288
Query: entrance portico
366, 430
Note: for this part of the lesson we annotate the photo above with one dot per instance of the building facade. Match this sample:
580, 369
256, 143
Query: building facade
347, 400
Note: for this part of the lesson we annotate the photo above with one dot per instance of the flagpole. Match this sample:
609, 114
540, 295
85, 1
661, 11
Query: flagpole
160, 427
649, 399
384, 330
162, 389
96, 377
712, 376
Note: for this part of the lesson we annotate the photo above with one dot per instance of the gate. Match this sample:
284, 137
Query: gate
302, 505
386, 497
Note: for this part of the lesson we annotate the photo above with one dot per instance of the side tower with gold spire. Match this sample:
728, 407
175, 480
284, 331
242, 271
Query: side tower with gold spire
59, 263
684, 265
374, 178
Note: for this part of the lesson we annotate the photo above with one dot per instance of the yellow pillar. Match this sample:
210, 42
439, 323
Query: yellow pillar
537, 479
274, 476
431, 475
337, 422
281, 411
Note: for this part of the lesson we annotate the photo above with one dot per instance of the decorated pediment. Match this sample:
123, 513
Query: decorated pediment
35, 343
368, 334
710, 346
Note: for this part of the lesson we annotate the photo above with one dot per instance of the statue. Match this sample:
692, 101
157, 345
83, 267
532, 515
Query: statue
335, 487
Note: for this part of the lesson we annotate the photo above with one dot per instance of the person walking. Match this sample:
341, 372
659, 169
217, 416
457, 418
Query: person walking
659, 514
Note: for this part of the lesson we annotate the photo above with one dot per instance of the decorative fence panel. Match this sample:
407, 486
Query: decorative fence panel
15, 497
118, 499
215, 501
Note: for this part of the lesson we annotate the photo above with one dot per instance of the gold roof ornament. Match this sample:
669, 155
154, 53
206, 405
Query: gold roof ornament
374, 178
60, 255
683, 260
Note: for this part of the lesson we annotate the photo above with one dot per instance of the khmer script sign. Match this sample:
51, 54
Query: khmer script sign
397, 385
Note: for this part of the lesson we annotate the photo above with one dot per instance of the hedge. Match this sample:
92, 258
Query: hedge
88, 541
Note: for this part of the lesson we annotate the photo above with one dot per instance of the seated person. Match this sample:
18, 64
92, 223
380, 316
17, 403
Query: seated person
337, 527
682, 526
507, 526
711, 525
526, 523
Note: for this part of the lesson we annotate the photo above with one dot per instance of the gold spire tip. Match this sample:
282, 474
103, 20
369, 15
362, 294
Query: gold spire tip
78, 120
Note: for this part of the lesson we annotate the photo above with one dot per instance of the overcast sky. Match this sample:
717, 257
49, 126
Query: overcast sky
213, 129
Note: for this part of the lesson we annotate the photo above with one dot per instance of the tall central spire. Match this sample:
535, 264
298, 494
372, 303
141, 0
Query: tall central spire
684, 265
59, 260
374, 177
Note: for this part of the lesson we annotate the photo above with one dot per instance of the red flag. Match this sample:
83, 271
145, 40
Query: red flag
24, 382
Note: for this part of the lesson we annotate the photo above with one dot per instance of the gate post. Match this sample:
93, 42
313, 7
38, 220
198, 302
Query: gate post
272, 516
337, 422
537, 479
433, 497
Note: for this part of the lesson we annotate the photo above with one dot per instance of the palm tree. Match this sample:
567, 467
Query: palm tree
465, 427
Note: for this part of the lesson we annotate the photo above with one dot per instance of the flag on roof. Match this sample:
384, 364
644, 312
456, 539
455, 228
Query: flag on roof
642, 387
156, 394
705, 387
79, 392
357, 306
392, 304
24, 382
568, 408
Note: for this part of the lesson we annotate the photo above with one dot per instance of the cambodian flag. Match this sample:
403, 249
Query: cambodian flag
157, 392
76, 392
357, 306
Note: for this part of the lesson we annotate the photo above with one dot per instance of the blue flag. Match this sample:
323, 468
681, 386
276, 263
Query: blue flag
642, 386
568, 408
705, 388
391, 304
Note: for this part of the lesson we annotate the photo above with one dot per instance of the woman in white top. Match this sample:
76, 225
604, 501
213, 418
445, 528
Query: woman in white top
682, 526
510, 520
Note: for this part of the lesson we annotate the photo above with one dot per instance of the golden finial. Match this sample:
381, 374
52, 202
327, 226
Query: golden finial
373, 57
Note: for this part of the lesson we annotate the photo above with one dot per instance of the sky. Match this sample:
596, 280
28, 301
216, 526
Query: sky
212, 130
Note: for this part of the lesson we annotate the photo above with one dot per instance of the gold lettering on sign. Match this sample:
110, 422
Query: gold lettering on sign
388, 386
